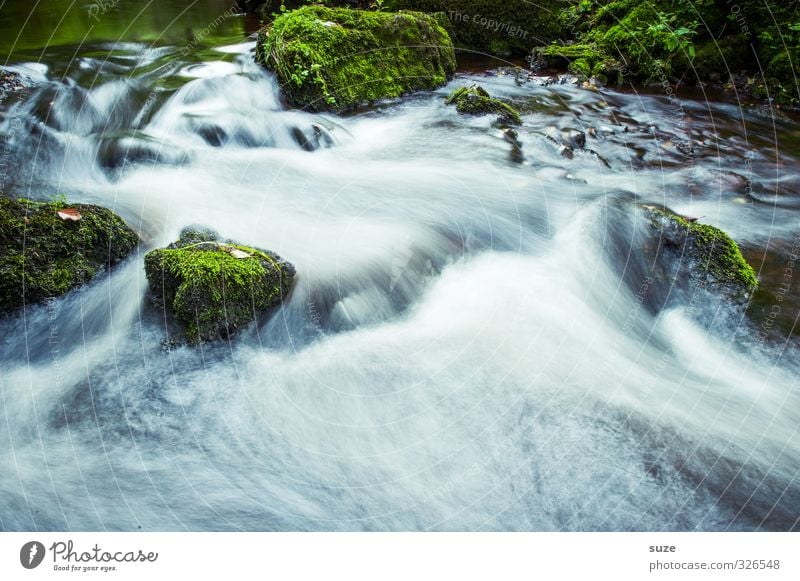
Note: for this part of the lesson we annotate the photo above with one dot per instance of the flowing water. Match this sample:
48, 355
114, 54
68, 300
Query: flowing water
475, 341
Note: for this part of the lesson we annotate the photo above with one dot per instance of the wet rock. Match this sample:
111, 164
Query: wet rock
43, 255
705, 255
474, 100
577, 139
214, 287
11, 84
335, 59
213, 135
118, 152
567, 140
512, 137
566, 151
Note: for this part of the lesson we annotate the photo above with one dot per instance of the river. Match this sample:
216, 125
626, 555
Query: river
474, 342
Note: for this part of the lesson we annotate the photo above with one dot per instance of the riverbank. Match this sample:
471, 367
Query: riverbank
740, 49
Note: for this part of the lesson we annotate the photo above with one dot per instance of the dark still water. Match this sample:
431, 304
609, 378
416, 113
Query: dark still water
468, 346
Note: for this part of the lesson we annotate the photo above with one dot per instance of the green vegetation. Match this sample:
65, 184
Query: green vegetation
213, 288
271, 9
688, 40
43, 255
714, 252
499, 27
338, 58
582, 59
638, 38
474, 100
33, 29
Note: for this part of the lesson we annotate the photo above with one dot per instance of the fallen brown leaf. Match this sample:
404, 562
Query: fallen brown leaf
69, 214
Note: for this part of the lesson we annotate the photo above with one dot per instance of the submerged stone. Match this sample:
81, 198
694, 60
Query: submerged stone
474, 100
215, 287
337, 58
44, 255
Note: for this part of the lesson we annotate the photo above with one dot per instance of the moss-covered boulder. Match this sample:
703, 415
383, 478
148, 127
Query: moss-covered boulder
499, 27
706, 254
474, 100
337, 58
47, 249
214, 287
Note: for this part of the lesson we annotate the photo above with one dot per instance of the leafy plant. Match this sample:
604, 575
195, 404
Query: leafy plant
673, 39
59, 200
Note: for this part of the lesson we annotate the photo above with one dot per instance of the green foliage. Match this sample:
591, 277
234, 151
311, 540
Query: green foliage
337, 58
474, 100
582, 59
28, 29
211, 291
691, 40
59, 200
272, 9
501, 27
634, 33
43, 256
672, 37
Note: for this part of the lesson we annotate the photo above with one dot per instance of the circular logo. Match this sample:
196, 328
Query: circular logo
31, 554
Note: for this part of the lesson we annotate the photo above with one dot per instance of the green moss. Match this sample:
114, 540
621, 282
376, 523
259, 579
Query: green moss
781, 74
338, 58
581, 59
714, 251
499, 27
720, 255
268, 10
474, 100
691, 41
717, 57
43, 256
581, 67
211, 291
572, 51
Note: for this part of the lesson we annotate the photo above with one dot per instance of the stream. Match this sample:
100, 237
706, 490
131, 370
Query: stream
473, 343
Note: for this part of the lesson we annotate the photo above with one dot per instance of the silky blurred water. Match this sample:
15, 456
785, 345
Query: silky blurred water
475, 341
